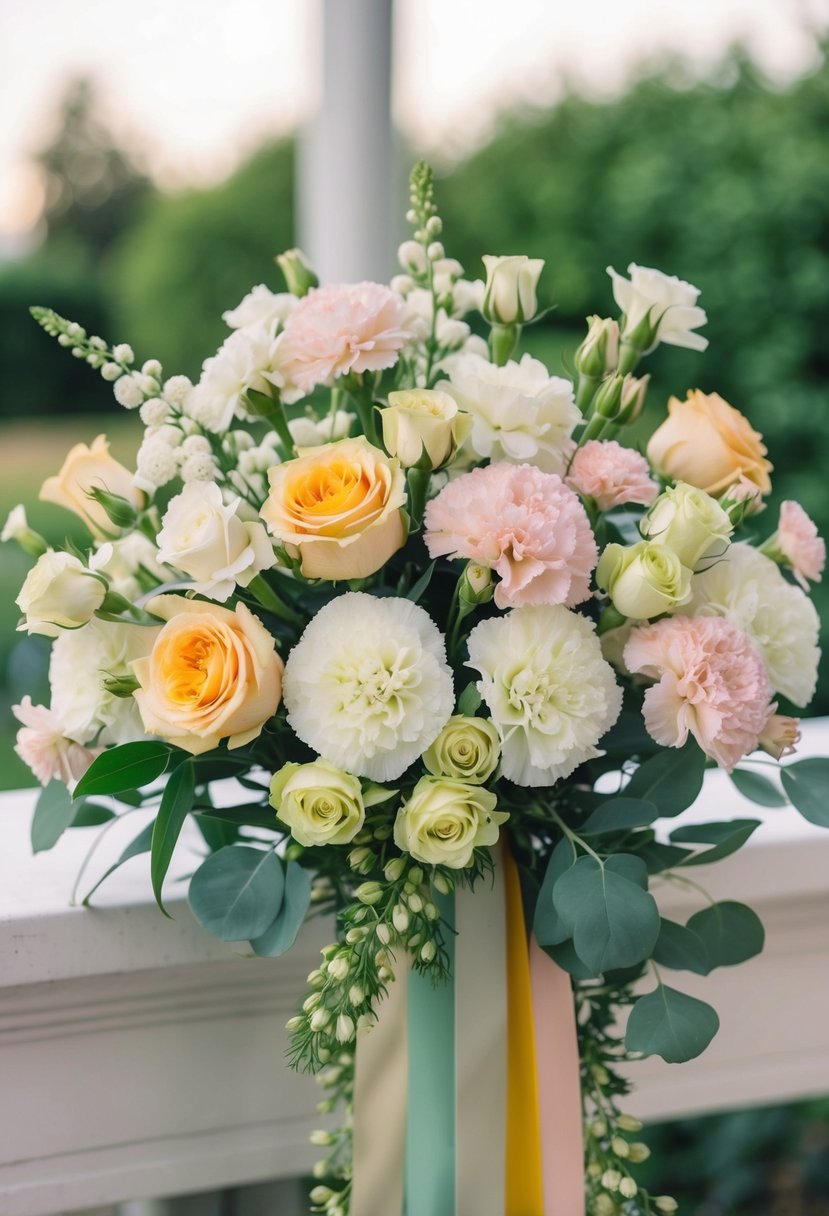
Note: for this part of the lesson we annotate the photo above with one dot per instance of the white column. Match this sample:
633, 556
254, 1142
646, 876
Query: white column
345, 173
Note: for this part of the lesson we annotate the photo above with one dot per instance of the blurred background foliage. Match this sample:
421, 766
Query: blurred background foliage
725, 183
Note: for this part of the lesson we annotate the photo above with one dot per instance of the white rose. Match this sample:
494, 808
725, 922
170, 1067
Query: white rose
321, 804
82, 661
417, 419
509, 296
445, 820
690, 523
666, 304
59, 593
206, 539
520, 413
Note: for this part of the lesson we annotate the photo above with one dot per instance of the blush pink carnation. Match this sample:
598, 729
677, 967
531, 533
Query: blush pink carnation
528, 526
801, 546
712, 683
351, 327
611, 475
43, 745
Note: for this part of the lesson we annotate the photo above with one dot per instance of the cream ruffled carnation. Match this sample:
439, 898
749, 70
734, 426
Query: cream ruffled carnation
43, 745
526, 525
338, 329
521, 412
711, 683
549, 691
803, 550
611, 475
245, 360
749, 590
368, 686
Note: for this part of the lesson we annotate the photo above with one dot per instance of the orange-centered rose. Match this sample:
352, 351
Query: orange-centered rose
338, 508
90, 468
212, 674
709, 444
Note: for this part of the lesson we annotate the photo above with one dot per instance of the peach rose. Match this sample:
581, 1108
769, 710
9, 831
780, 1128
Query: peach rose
709, 444
338, 508
86, 468
212, 674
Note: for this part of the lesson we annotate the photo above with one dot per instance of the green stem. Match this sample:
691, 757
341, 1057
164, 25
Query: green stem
575, 839
418, 482
364, 405
585, 392
629, 356
279, 420
265, 595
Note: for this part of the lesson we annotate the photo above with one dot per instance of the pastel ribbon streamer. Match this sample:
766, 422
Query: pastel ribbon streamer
430, 1133
380, 1076
480, 1046
524, 1185
559, 1086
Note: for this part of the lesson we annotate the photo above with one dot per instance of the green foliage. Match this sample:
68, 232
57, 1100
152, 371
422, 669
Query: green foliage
670, 1024
730, 932
237, 893
757, 788
53, 814
807, 784
608, 912
283, 932
128, 767
671, 779
549, 926
138, 845
176, 802
725, 837
680, 948
617, 814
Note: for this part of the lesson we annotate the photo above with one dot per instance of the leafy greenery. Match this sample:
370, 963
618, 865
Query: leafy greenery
237, 893
670, 1024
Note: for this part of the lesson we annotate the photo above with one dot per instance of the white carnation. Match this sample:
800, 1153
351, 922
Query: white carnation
260, 305
549, 691
82, 659
368, 686
748, 589
520, 412
127, 391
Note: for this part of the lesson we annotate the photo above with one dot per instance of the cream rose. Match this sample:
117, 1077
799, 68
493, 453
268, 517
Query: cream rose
204, 537
467, 749
444, 821
338, 508
510, 292
320, 803
709, 444
89, 468
643, 580
690, 523
212, 674
59, 593
420, 418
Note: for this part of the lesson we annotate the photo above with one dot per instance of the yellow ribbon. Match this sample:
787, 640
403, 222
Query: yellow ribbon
524, 1185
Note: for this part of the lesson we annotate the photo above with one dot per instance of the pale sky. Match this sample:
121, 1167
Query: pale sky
197, 84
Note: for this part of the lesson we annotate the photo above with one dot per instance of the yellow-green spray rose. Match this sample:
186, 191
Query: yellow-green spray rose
467, 749
690, 523
445, 820
643, 580
321, 804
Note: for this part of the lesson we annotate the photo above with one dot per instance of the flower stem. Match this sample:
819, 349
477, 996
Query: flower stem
265, 595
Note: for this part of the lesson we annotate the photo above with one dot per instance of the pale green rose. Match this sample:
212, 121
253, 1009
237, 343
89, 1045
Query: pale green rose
467, 749
59, 593
690, 523
643, 580
510, 293
420, 419
445, 820
321, 804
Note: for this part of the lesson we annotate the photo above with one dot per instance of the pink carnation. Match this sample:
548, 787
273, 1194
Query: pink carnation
611, 475
798, 541
712, 683
343, 328
43, 746
526, 525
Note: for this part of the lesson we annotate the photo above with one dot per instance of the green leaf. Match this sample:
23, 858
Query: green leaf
237, 893
141, 844
469, 701
53, 814
628, 735
176, 802
807, 784
731, 933
660, 857
680, 948
725, 837
619, 814
374, 794
125, 768
283, 932
757, 788
414, 593
564, 954
548, 926
246, 814
91, 815
670, 1024
613, 922
672, 780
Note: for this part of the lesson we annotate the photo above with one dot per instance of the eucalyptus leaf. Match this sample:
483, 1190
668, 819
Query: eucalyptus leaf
548, 927
757, 788
613, 921
726, 838
237, 893
176, 803
659, 857
53, 814
672, 779
670, 1024
564, 955
807, 784
730, 931
283, 932
620, 814
680, 948
125, 768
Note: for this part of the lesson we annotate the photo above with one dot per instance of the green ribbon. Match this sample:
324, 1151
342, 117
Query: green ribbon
430, 1131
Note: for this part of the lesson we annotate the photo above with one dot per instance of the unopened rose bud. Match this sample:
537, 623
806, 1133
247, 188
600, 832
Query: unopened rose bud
476, 585
423, 427
119, 510
598, 355
299, 277
17, 528
608, 400
634, 389
510, 292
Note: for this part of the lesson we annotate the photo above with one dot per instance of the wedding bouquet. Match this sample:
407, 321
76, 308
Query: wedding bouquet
420, 643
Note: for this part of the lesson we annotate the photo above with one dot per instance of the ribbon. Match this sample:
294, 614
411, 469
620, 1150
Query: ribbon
380, 1067
480, 1038
524, 1187
559, 1086
430, 1133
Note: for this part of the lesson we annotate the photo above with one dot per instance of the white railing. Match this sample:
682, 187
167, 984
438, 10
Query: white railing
141, 1057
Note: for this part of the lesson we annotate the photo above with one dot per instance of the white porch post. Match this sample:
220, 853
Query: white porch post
345, 174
